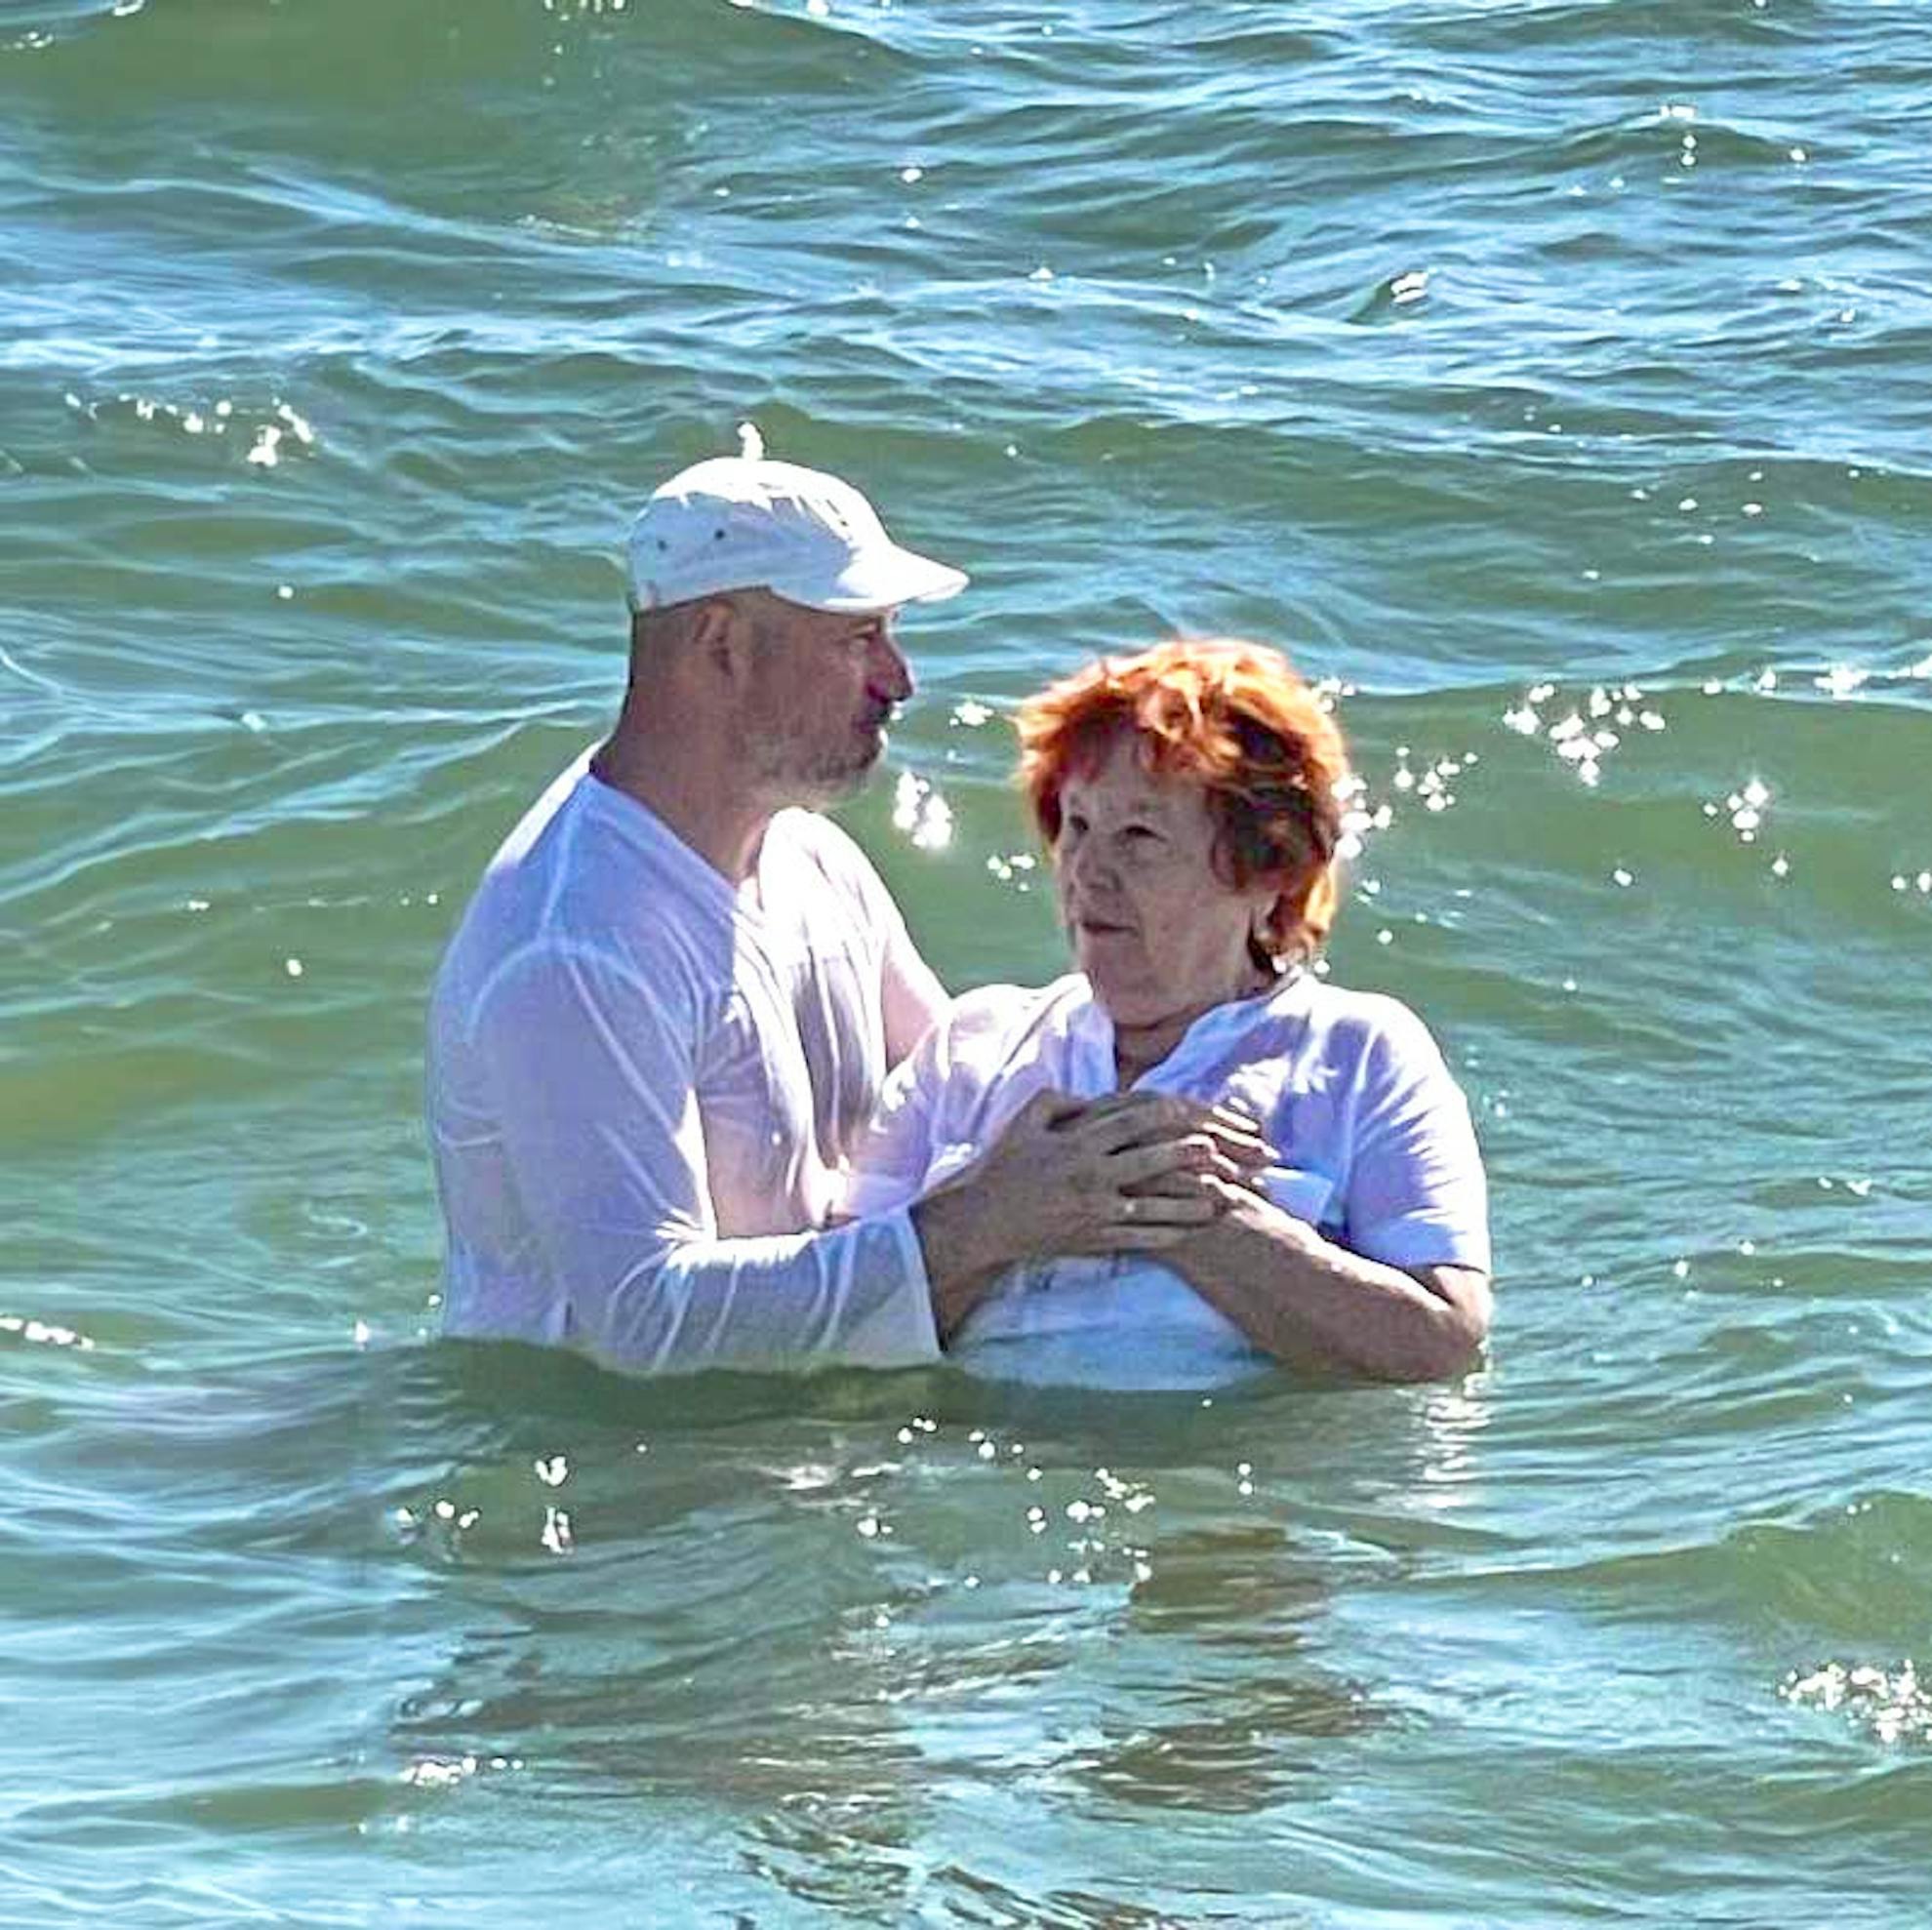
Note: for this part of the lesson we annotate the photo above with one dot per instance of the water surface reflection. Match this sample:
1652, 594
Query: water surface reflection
834, 1621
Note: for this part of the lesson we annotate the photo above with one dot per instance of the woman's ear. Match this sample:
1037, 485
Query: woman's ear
1266, 929
1318, 908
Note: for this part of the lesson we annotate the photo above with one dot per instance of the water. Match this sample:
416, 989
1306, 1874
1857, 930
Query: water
1534, 370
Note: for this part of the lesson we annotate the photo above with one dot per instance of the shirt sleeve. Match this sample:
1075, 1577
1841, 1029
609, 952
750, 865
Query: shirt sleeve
1416, 1196
597, 1088
894, 1158
912, 999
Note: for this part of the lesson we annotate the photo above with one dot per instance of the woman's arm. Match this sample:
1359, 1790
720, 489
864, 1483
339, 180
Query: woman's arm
1302, 1297
1408, 1297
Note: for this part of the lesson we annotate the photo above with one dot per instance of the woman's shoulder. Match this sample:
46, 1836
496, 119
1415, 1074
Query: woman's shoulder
1366, 1023
985, 1033
989, 1015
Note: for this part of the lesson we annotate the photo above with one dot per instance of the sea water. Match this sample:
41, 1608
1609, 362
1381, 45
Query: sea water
1550, 377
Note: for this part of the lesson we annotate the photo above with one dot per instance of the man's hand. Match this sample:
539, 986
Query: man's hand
1244, 1156
1132, 1171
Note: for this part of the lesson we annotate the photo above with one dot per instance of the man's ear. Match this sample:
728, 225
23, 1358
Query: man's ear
721, 635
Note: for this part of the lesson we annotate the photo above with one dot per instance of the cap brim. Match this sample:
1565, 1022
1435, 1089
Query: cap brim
881, 579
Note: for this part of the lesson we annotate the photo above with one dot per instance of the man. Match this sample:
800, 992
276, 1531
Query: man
668, 1008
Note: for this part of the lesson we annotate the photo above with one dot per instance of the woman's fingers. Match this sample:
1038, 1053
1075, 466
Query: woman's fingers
1167, 1209
1140, 1166
1239, 1137
1104, 1103
1131, 1172
1245, 1148
1128, 1238
1121, 1120
1224, 1187
1185, 1161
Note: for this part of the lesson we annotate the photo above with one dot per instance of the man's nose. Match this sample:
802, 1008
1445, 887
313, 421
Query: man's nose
892, 672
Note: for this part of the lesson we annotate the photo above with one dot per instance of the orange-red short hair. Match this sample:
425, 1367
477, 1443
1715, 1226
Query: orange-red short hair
1235, 718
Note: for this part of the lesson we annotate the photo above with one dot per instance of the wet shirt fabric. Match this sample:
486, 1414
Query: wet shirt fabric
642, 1080
1376, 1145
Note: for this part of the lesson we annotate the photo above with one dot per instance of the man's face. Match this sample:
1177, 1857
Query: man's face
824, 688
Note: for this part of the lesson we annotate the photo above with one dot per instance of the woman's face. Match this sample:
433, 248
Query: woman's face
1159, 934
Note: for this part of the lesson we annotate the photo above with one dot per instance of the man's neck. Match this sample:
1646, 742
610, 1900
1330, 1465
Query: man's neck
725, 830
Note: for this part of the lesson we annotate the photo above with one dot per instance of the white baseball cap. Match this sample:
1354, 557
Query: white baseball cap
739, 522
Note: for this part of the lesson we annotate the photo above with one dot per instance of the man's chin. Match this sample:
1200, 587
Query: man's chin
835, 785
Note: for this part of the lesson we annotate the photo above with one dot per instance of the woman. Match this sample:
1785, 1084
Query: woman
1192, 798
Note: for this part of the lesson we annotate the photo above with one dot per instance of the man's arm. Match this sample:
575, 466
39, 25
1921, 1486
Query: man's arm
912, 999
595, 1083
910, 996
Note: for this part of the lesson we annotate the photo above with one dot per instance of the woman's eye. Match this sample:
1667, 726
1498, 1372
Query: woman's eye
1140, 833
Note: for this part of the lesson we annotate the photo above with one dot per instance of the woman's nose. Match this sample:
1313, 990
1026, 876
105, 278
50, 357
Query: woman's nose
1084, 865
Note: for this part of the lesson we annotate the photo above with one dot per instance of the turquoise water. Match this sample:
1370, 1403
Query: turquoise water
1551, 376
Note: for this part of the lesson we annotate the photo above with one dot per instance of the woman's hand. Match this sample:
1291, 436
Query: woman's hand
1131, 1172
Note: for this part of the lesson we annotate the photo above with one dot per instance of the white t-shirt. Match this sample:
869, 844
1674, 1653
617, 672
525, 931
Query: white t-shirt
1377, 1152
642, 1081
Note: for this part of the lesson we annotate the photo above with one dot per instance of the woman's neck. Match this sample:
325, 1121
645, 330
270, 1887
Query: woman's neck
1139, 1049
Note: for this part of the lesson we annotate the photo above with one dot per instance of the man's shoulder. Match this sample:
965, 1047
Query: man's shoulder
810, 837
590, 868
813, 850
581, 897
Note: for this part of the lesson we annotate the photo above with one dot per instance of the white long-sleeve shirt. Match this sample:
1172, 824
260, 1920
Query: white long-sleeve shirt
1374, 1136
642, 1080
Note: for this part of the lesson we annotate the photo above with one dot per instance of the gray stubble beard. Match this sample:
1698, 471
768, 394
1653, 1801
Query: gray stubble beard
812, 787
